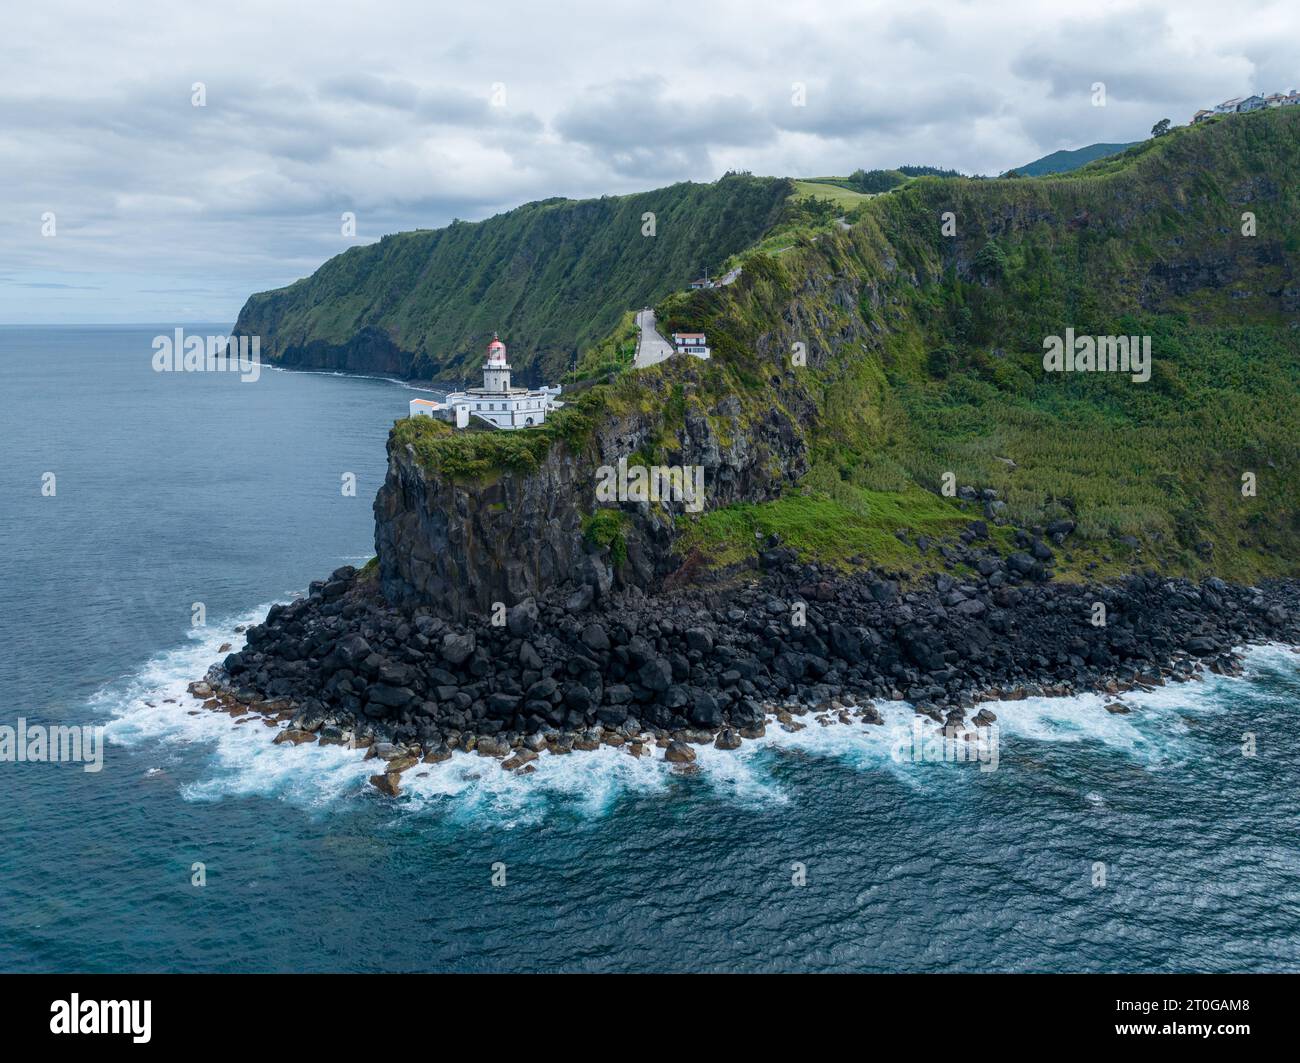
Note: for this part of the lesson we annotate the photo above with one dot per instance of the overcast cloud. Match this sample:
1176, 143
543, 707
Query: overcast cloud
412, 113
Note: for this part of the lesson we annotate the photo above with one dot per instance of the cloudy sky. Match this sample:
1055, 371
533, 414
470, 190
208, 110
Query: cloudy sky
409, 114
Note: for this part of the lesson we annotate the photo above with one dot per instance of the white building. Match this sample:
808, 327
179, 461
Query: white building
691, 343
496, 402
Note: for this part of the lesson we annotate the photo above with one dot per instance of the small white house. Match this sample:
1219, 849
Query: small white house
456, 415
691, 343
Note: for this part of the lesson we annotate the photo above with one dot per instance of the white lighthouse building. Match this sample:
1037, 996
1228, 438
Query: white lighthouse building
496, 402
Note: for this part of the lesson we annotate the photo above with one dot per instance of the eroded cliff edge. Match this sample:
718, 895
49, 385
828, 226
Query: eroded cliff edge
460, 543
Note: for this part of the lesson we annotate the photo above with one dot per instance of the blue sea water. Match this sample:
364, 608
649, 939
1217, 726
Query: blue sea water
1145, 842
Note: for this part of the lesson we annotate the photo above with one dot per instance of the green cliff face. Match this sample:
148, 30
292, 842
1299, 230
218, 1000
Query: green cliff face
922, 356
552, 277
925, 351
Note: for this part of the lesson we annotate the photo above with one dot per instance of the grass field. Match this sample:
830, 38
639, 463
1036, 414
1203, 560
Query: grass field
842, 197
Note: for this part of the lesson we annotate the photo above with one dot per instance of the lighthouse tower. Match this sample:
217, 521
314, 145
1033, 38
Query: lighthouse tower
496, 370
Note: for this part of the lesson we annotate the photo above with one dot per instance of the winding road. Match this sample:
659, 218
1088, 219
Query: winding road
651, 348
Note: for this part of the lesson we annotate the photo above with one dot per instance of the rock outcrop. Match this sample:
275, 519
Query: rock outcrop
461, 547
691, 665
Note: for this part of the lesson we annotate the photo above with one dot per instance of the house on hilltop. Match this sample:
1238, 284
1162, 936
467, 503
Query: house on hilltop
1247, 104
691, 343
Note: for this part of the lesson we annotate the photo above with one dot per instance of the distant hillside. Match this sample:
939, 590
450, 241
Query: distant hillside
552, 277
1065, 161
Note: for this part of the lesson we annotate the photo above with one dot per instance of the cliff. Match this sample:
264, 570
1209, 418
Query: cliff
867, 361
553, 276
462, 523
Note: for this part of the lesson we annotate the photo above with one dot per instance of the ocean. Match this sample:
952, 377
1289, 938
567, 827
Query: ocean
1147, 842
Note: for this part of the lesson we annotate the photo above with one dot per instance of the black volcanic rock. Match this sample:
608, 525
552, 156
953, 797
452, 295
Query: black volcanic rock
720, 658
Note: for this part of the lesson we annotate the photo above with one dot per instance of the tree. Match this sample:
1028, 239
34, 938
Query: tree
1160, 128
991, 262
942, 361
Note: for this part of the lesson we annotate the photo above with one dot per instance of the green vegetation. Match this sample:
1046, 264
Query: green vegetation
925, 358
615, 353
479, 455
608, 528
872, 182
946, 375
553, 277
832, 526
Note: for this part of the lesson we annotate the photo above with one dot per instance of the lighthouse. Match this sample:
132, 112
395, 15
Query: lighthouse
496, 403
496, 370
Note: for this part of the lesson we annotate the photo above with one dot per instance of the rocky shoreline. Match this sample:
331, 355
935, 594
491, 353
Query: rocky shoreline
568, 671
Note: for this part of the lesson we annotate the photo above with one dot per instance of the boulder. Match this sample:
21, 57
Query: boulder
389, 696
294, 736
656, 674
595, 638
348, 652
389, 784
519, 758
705, 711
529, 657
502, 706
700, 639
679, 753
522, 618
456, 648
580, 600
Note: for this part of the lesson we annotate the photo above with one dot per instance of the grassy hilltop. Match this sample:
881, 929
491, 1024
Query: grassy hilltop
924, 357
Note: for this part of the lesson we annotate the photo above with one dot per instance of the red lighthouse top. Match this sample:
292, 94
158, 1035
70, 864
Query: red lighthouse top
496, 352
